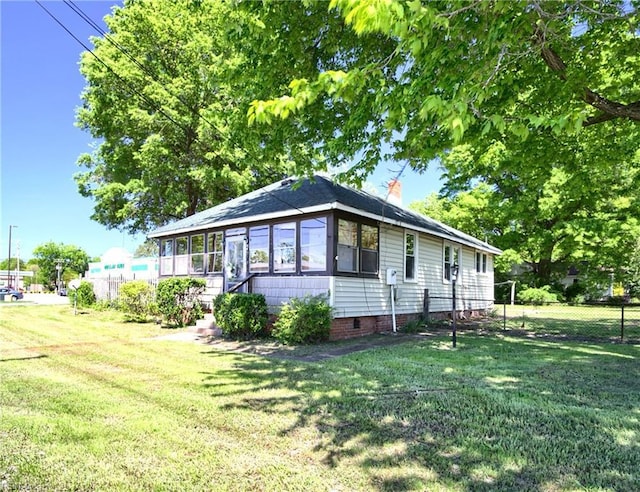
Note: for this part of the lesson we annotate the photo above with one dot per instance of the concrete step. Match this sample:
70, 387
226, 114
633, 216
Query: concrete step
206, 326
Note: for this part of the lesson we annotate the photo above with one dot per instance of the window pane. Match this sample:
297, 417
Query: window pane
369, 238
197, 244
347, 233
409, 244
181, 246
214, 250
347, 258
446, 266
284, 247
409, 256
484, 263
347, 246
166, 247
313, 244
369, 261
259, 249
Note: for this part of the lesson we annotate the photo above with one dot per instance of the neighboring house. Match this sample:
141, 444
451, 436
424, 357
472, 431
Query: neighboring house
118, 262
307, 237
117, 266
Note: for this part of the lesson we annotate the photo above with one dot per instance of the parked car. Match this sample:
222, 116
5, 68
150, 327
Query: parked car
12, 294
62, 292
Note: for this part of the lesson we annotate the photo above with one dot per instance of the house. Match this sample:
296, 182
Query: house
373, 259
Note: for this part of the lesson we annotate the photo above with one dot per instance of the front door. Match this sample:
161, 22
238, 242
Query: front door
235, 258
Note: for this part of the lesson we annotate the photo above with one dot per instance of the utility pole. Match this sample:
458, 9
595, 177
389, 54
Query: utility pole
9, 259
59, 262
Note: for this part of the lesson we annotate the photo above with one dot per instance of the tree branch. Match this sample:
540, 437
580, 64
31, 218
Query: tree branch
609, 109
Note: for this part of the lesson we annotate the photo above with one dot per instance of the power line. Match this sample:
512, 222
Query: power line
149, 101
132, 58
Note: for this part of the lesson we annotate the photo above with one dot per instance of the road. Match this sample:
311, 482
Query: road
30, 298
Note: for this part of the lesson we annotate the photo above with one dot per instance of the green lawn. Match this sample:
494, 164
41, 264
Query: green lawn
90, 403
591, 322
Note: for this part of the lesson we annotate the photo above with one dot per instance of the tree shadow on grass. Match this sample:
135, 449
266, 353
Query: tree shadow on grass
497, 414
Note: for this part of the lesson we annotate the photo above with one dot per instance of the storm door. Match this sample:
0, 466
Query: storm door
235, 258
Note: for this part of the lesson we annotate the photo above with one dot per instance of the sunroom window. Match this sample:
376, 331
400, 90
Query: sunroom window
166, 257
369, 241
182, 256
313, 245
284, 247
196, 264
259, 249
347, 246
214, 252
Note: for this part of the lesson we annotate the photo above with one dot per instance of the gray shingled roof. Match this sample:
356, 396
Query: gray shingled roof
295, 197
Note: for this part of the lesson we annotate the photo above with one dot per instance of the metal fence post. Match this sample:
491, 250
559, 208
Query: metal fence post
504, 316
622, 323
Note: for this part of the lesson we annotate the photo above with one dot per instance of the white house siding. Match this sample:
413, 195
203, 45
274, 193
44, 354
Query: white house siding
356, 296
278, 290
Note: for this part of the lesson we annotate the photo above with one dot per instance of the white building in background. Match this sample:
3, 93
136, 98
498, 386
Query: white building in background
119, 263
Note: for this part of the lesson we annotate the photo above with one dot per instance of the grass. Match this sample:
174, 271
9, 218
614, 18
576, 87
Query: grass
91, 403
578, 322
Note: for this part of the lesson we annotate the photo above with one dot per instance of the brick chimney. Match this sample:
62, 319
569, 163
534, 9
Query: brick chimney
395, 192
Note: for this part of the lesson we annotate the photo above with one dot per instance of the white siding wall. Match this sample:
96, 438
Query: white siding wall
370, 297
278, 290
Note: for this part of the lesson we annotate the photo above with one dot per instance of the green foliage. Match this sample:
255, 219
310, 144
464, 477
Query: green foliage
149, 248
241, 316
72, 261
178, 300
413, 326
304, 320
537, 296
136, 300
481, 73
84, 295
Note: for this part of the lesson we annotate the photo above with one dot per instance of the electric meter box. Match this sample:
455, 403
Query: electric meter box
391, 276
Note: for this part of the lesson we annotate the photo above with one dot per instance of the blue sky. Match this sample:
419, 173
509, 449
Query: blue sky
40, 89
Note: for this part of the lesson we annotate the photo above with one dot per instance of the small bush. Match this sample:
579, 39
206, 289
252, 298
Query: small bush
136, 300
84, 295
241, 316
542, 295
306, 320
178, 300
413, 326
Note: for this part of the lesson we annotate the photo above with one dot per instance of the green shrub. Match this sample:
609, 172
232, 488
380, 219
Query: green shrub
413, 326
306, 320
537, 296
84, 295
241, 316
178, 300
136, 300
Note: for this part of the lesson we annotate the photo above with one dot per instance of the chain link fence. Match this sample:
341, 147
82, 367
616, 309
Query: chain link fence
597, 322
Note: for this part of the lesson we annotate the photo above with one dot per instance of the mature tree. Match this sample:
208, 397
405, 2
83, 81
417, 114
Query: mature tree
159, 99
168, 92
573, 206
70, 259
475, 71
12, 263
147, 249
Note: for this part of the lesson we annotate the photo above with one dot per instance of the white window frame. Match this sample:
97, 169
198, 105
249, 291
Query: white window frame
481, 262
284, 250
456, 253
414, 278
